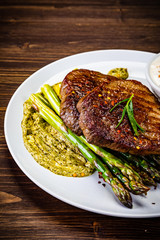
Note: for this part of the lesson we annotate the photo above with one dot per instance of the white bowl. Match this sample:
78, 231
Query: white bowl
154, 86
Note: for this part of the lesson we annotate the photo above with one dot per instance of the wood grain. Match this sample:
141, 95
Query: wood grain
33, 34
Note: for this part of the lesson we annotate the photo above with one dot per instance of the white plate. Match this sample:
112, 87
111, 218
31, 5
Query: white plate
84, 193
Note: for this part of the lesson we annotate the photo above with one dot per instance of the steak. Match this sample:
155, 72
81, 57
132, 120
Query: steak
99, 124
76, 85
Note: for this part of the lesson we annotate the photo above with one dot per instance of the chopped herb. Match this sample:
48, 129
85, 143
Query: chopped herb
129, 109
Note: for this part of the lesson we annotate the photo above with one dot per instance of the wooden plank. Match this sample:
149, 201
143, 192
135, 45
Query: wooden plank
36, 33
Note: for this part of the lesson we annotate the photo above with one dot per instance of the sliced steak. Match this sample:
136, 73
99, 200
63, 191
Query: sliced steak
99, 124
75, 85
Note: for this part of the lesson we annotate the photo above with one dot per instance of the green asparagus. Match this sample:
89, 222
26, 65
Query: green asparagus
143, 164
135, 181
152, 161
146, 178
55, 121
155, 158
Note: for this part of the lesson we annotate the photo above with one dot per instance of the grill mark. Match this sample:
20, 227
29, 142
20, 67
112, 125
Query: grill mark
151, 106
141, 94
151, 113
80, 82
126, 87
148, 107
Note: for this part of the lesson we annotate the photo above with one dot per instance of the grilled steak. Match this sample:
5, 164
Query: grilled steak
98, 123
75, 85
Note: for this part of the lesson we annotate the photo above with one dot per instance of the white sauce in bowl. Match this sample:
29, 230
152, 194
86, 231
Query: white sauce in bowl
155, 71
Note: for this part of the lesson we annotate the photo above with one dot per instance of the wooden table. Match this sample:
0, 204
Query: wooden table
33, 34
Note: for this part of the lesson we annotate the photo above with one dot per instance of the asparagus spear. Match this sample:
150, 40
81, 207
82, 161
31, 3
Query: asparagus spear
152, 170
146, 178
121, 177
55, 121
43, 100
135, 181
155, 158
152, 161
143, 164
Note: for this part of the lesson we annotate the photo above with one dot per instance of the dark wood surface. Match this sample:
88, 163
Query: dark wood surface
33, 34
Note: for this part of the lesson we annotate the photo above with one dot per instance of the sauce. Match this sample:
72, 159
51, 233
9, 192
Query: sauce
155, 71
50, 148
121, 73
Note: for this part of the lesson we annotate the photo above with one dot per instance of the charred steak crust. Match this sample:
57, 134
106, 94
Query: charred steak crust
76, 85
98, 123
